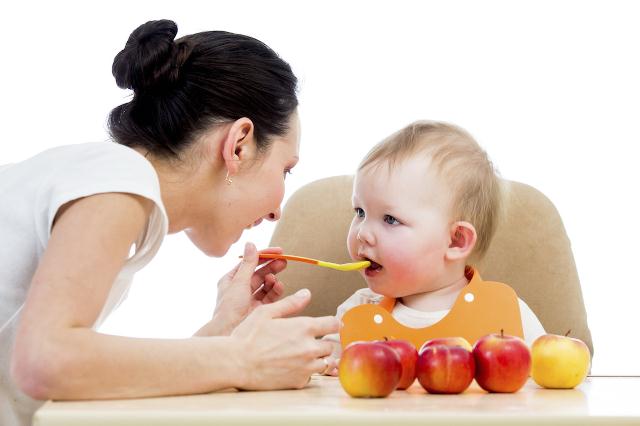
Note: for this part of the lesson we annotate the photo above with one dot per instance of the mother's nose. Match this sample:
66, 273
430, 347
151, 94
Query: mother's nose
275, 215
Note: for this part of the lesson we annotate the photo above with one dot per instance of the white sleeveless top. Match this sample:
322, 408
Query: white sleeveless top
31, 192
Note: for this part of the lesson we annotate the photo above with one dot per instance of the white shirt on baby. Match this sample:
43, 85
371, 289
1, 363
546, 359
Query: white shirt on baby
410, 317
31, 192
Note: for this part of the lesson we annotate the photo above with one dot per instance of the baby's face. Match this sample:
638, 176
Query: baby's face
401, 223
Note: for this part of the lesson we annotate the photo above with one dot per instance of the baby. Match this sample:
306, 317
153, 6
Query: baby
426, 203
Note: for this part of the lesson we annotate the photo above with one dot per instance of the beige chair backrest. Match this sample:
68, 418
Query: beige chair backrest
530, 251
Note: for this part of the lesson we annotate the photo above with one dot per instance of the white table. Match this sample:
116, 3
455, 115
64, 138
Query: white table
599, 400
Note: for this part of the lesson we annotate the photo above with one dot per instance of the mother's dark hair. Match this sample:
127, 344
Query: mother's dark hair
183, 87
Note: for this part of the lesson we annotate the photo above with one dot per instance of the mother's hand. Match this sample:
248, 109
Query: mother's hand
277, 352
243, 289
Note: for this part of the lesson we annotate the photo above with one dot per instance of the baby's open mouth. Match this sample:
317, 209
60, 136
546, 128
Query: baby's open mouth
373, 268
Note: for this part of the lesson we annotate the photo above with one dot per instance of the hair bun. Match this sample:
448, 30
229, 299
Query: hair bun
147, 59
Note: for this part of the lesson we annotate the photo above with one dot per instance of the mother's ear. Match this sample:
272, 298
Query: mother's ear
462, 237
236, 144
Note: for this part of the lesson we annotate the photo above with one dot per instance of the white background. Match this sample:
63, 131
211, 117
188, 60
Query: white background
550, 88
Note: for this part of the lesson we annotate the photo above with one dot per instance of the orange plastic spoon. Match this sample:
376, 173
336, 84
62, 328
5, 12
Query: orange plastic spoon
351, 266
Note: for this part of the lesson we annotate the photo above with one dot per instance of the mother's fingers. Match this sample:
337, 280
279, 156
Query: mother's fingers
270, 291
273, 266
322, 348
321, 326
268, 250
260, 276
259, 290
324, 365
247, 266
276, 250
229, 275
275, 294
251, 259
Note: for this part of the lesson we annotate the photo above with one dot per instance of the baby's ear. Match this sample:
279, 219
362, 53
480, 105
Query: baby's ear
462, 237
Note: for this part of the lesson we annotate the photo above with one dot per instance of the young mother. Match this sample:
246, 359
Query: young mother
203, 147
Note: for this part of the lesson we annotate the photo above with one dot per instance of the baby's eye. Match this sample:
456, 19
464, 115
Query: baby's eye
390, 219
359, 212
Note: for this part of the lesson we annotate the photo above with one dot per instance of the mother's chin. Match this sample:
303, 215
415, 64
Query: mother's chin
215, 245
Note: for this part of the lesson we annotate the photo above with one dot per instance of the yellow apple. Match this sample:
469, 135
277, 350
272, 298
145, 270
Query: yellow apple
559, 362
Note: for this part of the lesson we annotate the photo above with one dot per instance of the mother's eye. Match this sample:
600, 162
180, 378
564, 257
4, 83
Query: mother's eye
359, 212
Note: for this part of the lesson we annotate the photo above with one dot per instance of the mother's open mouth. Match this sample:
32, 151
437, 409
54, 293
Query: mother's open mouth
254, 224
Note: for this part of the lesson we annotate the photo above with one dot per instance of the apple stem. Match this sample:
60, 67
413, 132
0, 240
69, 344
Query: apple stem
567, 333
386, 339
502, 332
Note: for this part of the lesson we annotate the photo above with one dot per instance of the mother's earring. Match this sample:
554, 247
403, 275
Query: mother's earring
228, 179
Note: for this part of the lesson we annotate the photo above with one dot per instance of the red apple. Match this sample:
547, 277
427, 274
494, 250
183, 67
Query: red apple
369, 369
503, 362
445, 369
447, 341
408, 357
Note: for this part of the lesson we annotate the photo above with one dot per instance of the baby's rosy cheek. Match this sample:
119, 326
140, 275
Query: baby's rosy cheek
406, 264
398, 262
404, 273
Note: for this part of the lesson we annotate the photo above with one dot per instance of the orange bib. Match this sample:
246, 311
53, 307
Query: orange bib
481, 308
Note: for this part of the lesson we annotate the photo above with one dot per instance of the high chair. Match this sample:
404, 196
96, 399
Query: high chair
530, 251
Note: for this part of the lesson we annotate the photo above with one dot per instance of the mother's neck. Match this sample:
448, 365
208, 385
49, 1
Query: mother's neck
179, 185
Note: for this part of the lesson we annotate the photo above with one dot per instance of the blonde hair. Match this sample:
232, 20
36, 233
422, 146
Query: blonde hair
461, 162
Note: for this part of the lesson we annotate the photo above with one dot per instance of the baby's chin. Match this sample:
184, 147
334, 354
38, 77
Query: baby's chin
382, 288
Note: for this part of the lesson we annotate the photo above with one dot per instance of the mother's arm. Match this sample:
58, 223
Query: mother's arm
58, 356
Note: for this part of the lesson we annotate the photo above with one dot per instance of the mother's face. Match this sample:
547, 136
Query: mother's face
255, 194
